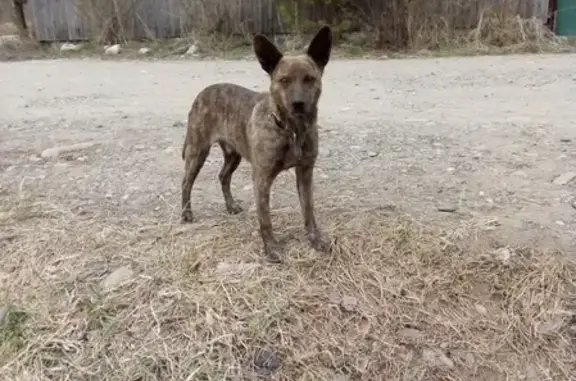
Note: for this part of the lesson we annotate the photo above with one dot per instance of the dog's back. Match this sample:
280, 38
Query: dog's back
220, 113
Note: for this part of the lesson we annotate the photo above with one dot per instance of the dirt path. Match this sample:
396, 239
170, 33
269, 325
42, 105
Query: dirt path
486, 136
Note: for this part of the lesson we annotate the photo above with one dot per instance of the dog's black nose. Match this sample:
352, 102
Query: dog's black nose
298, 106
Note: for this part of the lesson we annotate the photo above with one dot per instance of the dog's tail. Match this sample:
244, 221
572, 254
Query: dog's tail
184, 145
187, 132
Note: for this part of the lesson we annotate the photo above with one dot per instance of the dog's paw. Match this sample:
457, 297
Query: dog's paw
319, 243
272, 254
234, 208
187, 216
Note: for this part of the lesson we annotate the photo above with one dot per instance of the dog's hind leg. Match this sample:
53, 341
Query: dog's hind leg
232, 160
194, 156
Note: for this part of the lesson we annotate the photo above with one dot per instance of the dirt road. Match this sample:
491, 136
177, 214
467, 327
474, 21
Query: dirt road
485, 137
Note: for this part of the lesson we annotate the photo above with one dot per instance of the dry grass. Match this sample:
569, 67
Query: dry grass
394, 302
496, 30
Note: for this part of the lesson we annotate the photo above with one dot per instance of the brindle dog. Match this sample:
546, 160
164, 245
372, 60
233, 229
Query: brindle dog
274, 131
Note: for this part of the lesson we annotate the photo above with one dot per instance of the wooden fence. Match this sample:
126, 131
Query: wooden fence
70, 20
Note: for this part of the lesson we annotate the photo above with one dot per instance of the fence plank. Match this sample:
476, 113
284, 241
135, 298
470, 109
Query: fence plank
61, 20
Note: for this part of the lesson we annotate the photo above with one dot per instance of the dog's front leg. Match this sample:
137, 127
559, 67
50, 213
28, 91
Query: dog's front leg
262, 185
305, 187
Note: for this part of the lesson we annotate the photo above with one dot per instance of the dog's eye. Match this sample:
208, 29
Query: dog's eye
309, 79
284, 80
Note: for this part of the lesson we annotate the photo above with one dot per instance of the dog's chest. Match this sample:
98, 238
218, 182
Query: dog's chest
292, 156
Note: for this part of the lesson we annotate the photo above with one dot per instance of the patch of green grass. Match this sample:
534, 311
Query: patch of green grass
12, 331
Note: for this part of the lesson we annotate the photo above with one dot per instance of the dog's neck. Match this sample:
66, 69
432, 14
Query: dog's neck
295, 129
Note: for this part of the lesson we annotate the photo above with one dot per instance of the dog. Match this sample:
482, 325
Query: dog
274, 131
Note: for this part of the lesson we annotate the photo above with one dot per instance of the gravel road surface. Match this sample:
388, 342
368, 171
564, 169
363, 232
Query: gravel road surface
487, 140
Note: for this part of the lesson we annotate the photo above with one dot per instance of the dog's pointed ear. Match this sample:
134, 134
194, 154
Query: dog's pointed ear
321, 46
267, 53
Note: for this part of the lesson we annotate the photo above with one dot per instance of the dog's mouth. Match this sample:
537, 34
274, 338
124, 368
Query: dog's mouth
300, 114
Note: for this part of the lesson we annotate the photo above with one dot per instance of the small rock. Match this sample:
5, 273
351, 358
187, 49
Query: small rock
560, 223
481, 309
34, 158
532, 373
464, 357
144, 51
116, 278
503, 254
564, 178
345, 302
349, 303
469, 360
450, 170
179, 123
69, 47
10, 40
551, 326
411, 333
192, 50
435, 357
447, 209
113, 50
139, 147
57, 151
266, 359
372, 154
573, 203
565, 140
